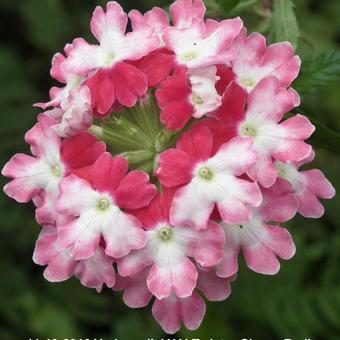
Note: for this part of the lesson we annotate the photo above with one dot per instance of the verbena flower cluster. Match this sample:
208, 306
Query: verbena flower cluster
168, 151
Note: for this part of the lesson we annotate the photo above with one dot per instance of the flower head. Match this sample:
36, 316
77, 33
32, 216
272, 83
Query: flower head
307, 186
256, 61
93, 272
172, 146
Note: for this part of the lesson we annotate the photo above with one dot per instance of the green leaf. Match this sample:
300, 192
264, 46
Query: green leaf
318, 71
284, 23
48, 319
54, 26
226, 6
244, 6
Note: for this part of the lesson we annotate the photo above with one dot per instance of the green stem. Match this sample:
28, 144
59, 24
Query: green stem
139, 156
147, 167
146, 115
117, 141
118, 130
165, 139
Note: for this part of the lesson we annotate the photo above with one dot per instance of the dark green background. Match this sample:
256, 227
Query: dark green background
302, 301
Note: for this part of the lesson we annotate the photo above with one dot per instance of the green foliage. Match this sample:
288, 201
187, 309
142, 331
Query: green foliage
314, 312
284, 26
15, 95
245, 5
318, 71
324, 137
227, 6
47, 32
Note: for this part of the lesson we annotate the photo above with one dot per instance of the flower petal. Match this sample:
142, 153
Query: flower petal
179, 278
135, 191
96, 271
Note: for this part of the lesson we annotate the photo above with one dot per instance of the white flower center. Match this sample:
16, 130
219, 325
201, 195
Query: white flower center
205, 173
248, 131
75, 81
103, 204
165, 234
189, 56
197, 100
56, 170
247, 82
281, 169
109, 59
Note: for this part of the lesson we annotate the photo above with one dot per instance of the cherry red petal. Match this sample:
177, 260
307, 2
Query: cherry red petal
174, 89
226, 76
233, 106
176, 115
220, 132
81, 150
197, 143
158, 210
174, 168
108, 172
130, 83
157, 66
102, 92
135, 191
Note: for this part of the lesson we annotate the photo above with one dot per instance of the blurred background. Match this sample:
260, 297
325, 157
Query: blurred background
302, 301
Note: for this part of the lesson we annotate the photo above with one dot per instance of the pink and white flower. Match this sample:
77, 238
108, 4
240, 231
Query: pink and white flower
203, 44
255, 61
186, 95
185, 13
60, 264
38, 177
71, 104
97, 205
213, 287
72, 80
196, 43
260, 241
261, 120
96, 271
136, 292
138, 295
208, 180
93, 272
168, 250
111, 78
172, 311
74, 114
308, 186
155, 19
